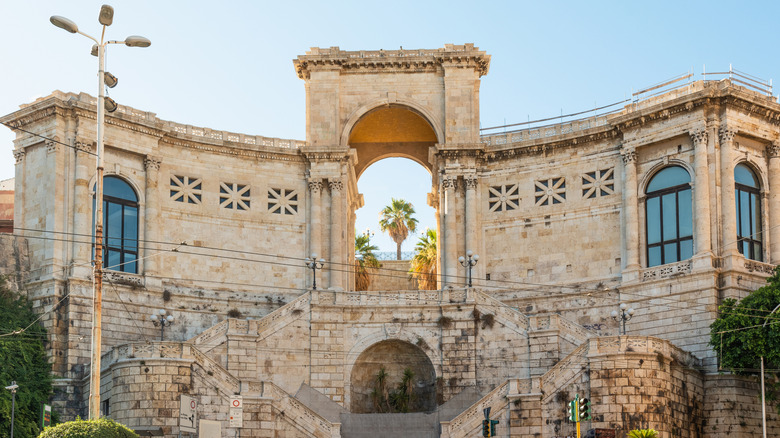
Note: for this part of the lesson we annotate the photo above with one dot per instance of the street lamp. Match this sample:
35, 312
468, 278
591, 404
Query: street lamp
314, 264
623, 316
162, 320
105, 18
469, 263
13, 387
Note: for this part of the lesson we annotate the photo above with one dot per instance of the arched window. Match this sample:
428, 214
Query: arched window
748, 213
669, 218
120, 226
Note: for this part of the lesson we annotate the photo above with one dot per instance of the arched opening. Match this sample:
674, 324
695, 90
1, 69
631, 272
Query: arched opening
391, 131
395, 357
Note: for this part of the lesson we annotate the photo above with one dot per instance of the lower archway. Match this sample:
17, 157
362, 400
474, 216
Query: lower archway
397, 358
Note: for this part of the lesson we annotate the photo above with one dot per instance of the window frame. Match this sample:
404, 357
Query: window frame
126, 255
678, 241
755, 243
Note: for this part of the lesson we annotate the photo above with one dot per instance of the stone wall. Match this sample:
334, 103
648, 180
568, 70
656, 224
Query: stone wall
14, 261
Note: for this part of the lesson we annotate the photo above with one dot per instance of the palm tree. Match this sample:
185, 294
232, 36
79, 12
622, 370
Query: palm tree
424, 261
396, 219
364, 255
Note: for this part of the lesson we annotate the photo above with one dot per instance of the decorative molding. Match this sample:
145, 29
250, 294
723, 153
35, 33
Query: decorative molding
315, 186
773, 150
335, 185
698, 136
470, 182
448, 182
19, 155
763, 268
83, 146
668, 270
152, 163
726, 134
52, 146
628, 154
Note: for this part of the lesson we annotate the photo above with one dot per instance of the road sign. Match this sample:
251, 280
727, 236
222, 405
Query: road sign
236, 417
237, 402
188, 414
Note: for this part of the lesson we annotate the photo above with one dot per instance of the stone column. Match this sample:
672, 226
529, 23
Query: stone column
773, 205
151, 217
727, 197
450, 232
701, 196
82, 212
631, 208
19, 174
337, 265
470, 183
315, 219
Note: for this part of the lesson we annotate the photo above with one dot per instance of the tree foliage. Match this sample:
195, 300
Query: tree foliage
22, 359
423, 267
100, 428
397, 220
643, 433
747, 330
402, 400
365, 259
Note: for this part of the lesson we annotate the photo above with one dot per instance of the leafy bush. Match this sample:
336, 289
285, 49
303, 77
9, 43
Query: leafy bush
100, 428
23, 360
643, 433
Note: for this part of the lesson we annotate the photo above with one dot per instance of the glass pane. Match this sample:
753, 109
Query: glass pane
654, 256
131, 267
670, 253
744, 214
686, 249
743, 175
685, 211
758, 252
669, 220
131, 227
116, 188
653, 221
755, 214
668, 177
113, 225
113, 260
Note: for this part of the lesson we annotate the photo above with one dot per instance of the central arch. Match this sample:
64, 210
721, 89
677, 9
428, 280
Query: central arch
395, 356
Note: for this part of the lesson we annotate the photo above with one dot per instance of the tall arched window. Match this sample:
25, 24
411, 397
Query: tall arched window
748, 213
120, 226
669, 218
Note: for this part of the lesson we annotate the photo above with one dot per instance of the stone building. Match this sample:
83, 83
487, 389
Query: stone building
669, 205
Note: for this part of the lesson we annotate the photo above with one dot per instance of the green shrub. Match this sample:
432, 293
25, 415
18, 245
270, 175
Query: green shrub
101, 428
643, 433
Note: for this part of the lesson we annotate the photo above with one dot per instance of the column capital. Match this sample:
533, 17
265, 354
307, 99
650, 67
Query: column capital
629, 154
335, 185
773, 149
315, 186
448, 182
470, 181
82, 146
152, 163
698, 136
19, 155
726, 134
52, 146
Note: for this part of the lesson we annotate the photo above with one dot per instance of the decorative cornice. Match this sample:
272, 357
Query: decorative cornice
152, 163
541, 148
279, 155
726, 134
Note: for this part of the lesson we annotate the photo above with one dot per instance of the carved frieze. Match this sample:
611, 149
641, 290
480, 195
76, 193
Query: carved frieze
628, 154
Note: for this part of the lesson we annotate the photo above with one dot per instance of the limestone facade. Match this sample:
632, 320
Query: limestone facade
558, 215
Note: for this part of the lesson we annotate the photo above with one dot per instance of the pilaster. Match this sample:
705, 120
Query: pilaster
449, 258
631, 212
728, 219
337, 266
152, 220
773, 208
82, 212
470, 183
702, 232
315, 216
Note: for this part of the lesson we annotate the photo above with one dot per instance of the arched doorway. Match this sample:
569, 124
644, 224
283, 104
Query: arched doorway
395, 357
392, 131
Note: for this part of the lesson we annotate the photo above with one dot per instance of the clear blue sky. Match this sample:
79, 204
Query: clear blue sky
228, 65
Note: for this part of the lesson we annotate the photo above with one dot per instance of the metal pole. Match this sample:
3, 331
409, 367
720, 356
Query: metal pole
763, 399
13, 409
470, 266
162, 330
97, 295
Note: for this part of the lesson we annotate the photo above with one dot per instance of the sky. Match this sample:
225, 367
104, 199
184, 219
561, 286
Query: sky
228, 65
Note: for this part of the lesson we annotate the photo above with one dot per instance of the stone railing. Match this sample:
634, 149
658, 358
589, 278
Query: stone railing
151, 350
226, 381
518, 387
211, 337
641, 344
666, 271
508, 316
300, 415
761, 268
270, 323
564, 371
465, 424
531, 134
570, 331
396, 298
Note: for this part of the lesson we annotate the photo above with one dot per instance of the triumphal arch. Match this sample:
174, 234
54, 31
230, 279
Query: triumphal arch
668, 204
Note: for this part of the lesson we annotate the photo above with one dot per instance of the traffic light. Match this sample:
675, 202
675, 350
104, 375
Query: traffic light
485, 427
493, 427
584, 409
571, 411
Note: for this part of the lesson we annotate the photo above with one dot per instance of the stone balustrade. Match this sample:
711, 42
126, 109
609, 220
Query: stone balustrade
470, 420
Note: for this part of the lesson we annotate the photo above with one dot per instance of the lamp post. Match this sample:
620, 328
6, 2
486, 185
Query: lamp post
763, 395
105, 18
623, 316
469, 263
13, 387
314, 264
162, 320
